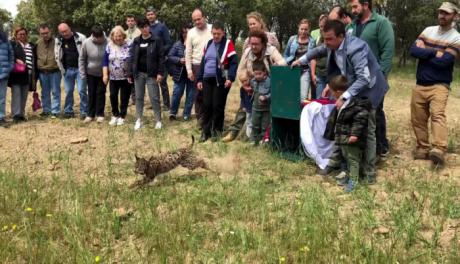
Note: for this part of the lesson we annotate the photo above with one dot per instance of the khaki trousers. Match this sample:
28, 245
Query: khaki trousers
430, 102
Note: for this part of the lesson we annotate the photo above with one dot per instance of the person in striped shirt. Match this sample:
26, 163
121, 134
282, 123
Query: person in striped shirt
437, 49
22, 79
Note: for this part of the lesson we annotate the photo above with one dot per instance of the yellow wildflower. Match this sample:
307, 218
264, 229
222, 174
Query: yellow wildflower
5, 228
13, 227
28, 209
97, 259
282, 259
49, 215
305, 249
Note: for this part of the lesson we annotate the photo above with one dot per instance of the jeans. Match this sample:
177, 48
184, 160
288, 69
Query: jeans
51, 85
321, 83
304, 85
71, 76
3, 86
198, 95
165, 89
122, 88
19, 95
96, 96
214, 101
179, 87
154, 94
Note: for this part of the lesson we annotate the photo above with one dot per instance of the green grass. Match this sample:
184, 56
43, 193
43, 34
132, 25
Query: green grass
264, 210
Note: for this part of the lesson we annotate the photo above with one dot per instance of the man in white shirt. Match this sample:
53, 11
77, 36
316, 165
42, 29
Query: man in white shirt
197, 38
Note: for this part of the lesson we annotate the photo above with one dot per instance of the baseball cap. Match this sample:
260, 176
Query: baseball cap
448, 7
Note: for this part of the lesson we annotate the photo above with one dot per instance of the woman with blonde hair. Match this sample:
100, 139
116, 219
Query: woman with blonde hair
116, 68
297, 46
256, 22
22, 78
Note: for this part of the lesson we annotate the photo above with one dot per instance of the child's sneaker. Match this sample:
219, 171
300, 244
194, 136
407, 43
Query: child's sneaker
351, 186
158, 125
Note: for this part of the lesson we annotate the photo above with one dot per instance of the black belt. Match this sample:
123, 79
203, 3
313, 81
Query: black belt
48, 71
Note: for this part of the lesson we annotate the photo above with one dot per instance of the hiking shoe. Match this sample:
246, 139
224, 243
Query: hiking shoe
100, 119
172, 117
113, 121
371, 180
229, 137
186, 118
138, 124
45, 114
437, 156
54, 116
420, 155
87, 119
158, 125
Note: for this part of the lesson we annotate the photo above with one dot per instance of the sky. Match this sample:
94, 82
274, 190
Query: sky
10, 5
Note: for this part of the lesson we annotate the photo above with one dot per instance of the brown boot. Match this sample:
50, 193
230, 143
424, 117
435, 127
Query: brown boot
437, 156
229, 137
420, 155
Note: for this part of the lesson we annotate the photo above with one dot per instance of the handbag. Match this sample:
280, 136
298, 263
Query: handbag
37, 104
19, 68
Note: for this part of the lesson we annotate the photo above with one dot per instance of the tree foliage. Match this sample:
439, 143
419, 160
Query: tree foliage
409, 17
5, 16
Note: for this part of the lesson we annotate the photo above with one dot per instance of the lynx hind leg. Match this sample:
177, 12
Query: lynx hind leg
193, 163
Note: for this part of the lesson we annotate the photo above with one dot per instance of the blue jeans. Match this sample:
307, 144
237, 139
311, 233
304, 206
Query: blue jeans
178, 91
51, 84
70, 77
3, 85
304, 85
321, 83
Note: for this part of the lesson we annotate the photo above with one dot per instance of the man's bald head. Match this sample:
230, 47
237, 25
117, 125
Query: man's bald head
198, 18
65, 31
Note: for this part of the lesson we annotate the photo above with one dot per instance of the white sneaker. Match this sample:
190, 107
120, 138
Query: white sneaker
100, 119
120, 121
158, 125
138, 124
87, 119
113, 121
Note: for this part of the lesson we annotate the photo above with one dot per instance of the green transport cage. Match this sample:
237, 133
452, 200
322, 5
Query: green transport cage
285, 111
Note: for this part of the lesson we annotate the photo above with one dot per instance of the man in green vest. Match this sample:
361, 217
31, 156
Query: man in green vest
377, 32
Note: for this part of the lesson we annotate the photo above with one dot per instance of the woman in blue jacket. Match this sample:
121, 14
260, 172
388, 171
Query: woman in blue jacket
297, 46
6, 65
176, 58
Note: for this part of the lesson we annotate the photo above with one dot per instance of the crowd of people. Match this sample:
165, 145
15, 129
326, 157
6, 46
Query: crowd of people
348, 59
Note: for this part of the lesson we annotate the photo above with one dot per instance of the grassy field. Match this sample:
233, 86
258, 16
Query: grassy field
70, 203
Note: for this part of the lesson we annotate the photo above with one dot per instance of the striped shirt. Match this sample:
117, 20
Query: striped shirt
29, 55
432, 67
